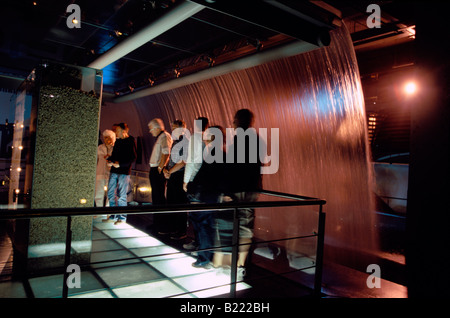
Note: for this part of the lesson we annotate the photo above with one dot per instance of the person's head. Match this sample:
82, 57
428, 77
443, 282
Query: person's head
121, 130
178, 128
212, 132
155, 126
109, 137
201, 123
243, 118
178, 123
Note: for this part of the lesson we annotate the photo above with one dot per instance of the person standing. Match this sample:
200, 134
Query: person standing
120, 161
193, 165
174, 173
158, 160
195, 155
103, 170
208, 184
244, 180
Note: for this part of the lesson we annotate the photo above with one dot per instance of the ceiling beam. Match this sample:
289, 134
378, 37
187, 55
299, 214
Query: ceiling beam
177, 15
284, 51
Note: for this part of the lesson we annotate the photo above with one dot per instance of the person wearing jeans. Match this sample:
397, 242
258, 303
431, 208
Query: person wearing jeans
121, 160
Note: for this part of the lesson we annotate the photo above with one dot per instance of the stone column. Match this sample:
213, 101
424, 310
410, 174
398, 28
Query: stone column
64, 132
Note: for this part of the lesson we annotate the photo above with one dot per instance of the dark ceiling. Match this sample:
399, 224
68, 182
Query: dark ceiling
222, 31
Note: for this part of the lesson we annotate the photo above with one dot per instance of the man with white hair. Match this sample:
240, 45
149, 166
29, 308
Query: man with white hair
158, 160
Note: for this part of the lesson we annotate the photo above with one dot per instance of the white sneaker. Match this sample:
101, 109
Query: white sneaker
190, 246
241, 273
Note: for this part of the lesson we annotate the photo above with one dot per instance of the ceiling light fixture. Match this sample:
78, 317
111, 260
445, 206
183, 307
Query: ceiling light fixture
176, 71
151, 80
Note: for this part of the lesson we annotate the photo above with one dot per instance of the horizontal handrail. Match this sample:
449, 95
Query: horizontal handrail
27, 213
231, 207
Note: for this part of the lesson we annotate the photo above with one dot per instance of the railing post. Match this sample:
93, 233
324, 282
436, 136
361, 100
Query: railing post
234, 252
319, 254
65, 291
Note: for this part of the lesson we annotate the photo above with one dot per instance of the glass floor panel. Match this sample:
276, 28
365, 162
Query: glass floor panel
129, 263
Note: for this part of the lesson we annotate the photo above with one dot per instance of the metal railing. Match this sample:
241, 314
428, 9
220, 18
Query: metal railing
294, 200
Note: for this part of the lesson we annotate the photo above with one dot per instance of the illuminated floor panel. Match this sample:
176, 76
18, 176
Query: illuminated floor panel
130, 263
203, 280
156, 253
178, 267
208, 284
111, 226
136, 242
124, 233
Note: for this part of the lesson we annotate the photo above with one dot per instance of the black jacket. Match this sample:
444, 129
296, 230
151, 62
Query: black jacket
245, 176
125, 152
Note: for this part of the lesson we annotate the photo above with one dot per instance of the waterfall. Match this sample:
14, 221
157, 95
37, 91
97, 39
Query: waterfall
316, 101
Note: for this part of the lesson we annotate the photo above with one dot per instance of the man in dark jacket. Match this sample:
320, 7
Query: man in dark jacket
121, 160
244, 179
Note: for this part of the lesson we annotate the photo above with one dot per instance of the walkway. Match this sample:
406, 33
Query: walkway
150, 277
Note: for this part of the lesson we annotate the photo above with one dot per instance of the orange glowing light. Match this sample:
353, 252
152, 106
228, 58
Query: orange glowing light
410, 88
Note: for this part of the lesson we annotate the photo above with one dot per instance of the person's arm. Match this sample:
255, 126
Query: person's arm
166, 144
195, 159
101, 152
174, 169
163, 161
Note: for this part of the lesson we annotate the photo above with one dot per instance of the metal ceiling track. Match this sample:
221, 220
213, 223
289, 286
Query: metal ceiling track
307, 36
177, 15
256, 59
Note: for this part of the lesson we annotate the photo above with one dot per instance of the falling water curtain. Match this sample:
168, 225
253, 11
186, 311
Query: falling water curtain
316, 101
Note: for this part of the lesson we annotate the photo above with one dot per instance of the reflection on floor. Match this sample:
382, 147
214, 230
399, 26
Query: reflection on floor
144, 267
151, 274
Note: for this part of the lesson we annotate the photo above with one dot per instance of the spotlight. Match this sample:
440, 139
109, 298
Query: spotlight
74, 21
410, 88
209, 60
256, 43
176, 71
151, 80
